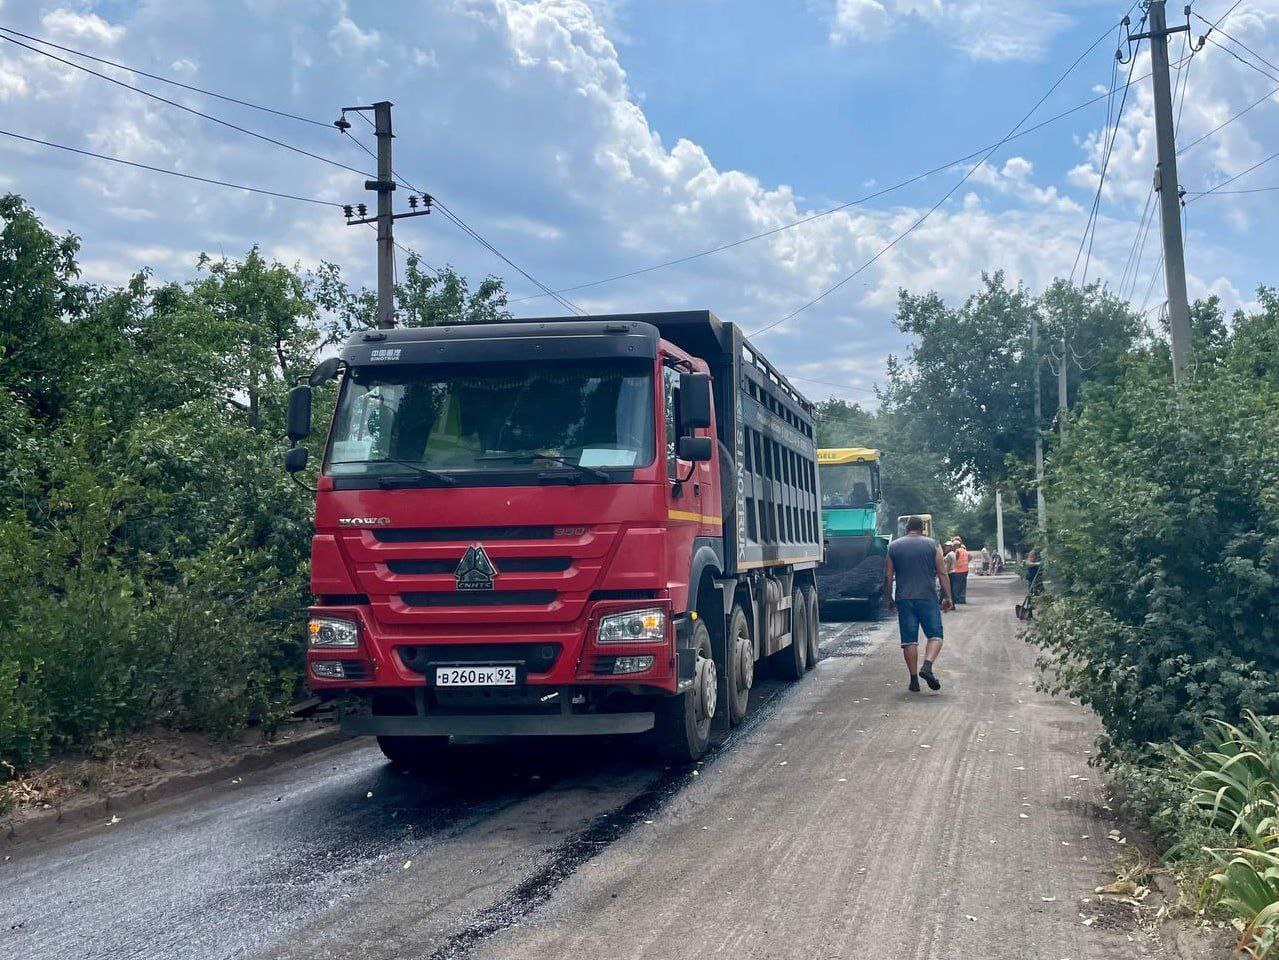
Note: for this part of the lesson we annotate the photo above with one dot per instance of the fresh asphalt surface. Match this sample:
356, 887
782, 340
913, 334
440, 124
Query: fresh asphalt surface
846, 818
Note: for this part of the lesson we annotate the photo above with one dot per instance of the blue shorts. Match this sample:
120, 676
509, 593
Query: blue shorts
916, 615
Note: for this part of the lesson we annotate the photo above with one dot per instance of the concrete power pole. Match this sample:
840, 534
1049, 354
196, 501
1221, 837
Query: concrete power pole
385, 217
1063, 391
999, 523
1169, 188
385, 187
1039, 415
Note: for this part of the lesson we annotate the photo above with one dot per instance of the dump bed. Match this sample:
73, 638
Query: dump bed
768, 429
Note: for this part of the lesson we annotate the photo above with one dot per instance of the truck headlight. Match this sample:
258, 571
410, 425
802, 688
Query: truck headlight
331, 632
634, 626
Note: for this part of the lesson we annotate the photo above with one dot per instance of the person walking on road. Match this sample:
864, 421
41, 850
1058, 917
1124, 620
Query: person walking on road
914, 564
960, 592
983, 560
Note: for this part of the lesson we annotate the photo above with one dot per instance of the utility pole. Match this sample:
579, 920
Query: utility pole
999, 523
385, 217
1063, 392
1039, 414
1168, 187
385, 187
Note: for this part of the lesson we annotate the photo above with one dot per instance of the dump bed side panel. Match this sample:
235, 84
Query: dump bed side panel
778, 516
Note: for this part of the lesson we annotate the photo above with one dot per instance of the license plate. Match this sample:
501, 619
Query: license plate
475, 676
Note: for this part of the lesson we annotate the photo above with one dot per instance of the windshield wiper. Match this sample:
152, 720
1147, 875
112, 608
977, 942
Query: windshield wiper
532, 457
422, 472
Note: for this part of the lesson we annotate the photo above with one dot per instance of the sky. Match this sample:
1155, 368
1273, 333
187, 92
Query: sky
591, 138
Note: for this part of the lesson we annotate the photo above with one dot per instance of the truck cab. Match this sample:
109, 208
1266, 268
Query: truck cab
520, 530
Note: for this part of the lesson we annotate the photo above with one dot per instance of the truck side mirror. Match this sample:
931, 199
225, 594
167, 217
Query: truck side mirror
694, 402
695, 449
325, 370
295, 459
298, 422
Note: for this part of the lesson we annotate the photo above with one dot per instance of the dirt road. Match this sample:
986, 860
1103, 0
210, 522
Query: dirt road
847, 819
865, 821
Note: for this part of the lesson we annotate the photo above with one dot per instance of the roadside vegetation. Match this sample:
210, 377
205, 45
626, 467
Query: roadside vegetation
153, 554
1162, 548
1165, 617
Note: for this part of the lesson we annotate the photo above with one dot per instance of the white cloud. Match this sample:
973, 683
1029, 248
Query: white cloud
983, 29
66, 25
531, 131
347, 39
12, 83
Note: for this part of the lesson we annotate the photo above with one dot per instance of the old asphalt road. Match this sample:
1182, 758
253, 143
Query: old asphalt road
846, 818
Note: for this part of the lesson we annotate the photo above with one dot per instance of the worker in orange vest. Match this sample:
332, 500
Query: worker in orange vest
961, 571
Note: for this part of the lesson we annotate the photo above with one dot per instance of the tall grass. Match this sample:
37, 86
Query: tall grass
1234, 782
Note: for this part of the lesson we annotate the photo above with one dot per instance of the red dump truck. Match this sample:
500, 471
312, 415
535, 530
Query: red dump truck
560, 526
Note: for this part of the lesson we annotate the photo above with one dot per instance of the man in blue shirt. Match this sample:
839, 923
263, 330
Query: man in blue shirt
915, 563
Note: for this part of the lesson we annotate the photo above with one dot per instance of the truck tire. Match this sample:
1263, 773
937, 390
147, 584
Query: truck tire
814, 627
682, 728
740, 650
414, 753
793, 661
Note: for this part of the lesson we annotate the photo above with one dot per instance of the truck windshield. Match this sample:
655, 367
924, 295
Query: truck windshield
849, 485
494, 417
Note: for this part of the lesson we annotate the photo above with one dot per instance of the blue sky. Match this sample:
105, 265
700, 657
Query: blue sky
587, 138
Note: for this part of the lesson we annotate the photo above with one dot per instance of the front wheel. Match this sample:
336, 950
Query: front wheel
683, 723
414, 753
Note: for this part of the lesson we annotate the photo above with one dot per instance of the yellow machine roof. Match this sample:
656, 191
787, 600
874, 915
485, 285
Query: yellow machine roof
848, 455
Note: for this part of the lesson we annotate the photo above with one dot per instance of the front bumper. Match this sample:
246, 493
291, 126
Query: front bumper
547, 655
498, 725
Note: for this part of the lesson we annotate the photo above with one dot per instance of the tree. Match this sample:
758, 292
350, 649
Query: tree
153, 555
424, 298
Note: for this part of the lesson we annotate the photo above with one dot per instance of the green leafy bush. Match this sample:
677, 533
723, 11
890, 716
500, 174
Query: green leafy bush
153, 554
1165, 547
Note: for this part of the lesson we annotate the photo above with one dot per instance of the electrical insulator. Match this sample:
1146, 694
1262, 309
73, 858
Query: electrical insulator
347, 211
363, 209
412, 202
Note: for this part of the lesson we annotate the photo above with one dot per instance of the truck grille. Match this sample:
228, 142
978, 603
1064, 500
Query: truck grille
460, 534
481, 598
533, 657
504, 565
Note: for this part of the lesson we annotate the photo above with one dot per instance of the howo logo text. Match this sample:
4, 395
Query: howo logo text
476, 571
363, 521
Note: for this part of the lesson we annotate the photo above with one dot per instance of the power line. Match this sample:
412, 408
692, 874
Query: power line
1224, 193
1214, 27
831, 210
162, 79
949, 193
1259, 163
1090, 227
465, 228
1247, 63
831, 383
1221, 126
182, 106
171, 173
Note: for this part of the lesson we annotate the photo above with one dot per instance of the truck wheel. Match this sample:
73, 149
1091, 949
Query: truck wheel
814, 628
741, 665
414, 753
792, 661
683, 723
